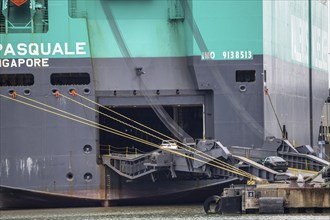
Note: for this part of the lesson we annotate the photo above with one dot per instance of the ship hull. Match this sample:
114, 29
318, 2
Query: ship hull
206, 63
20, 198
47, 151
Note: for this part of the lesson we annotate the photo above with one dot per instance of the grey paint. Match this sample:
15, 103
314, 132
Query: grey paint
238, 116
235, 118
160, 74
289, 90
38, 149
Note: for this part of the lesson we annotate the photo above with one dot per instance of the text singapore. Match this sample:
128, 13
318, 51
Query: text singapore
37, 50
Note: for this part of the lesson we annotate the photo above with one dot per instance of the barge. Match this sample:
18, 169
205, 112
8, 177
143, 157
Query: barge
275, 198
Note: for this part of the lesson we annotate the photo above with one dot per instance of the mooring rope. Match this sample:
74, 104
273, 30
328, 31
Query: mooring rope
187, 147
116, 132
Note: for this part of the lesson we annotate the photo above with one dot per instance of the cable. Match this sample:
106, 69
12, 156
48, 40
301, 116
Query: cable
119, 133
157, 109
203, 155
271, 103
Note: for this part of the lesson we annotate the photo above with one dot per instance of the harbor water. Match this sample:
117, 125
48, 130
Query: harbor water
144, 212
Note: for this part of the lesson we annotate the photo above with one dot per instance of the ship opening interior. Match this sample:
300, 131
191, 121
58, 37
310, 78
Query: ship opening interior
189, 118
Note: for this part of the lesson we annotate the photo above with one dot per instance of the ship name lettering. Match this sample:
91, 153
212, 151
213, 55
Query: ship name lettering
44, 49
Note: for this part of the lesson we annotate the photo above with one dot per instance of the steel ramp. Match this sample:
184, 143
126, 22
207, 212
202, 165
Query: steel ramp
129, 166
259, 170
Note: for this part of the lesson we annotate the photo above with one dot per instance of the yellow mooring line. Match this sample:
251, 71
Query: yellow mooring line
116, 132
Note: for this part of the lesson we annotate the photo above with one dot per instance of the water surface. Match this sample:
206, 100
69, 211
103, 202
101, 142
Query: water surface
194, 212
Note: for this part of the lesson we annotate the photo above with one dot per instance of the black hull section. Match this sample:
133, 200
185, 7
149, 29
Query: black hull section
15, 198
193, 195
